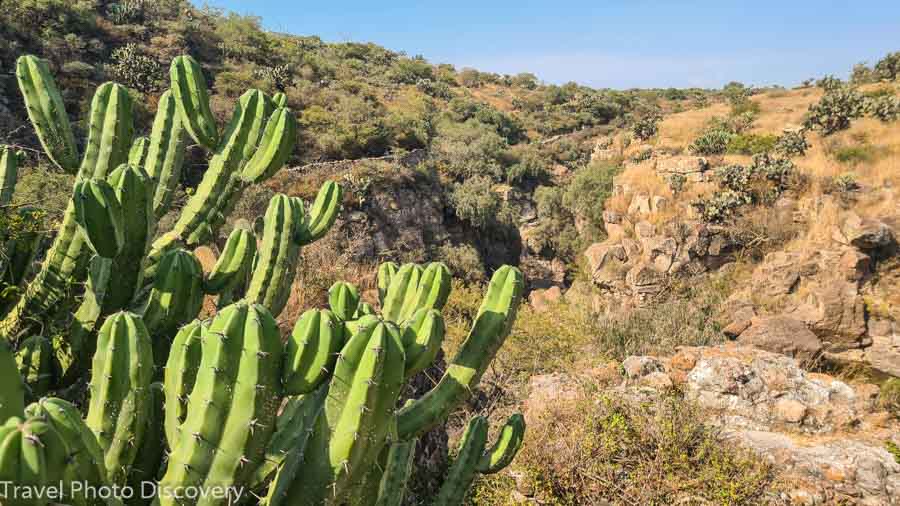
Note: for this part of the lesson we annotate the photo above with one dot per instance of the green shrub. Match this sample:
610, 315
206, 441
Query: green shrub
751, 144
530, 164
844, 183
646, 128
766, 179
475, 201
677, 183
888, 68
586, 194
829, 83
642, 155
463, 260
134, 69
410, 71
885, 107
792, 143
469, 149
855, 155
889, 396
711, 142
436, 89
609, 449
835, 111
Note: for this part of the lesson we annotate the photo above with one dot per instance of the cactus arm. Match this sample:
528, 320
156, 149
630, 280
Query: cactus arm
422, 338
233, 404
354, 424
401, 292
343, 299
99, 216
37, 365
192, 99
149, 455
165, 156
9, 170
398, 468
277, 144
279, 99
85, 458
507, 446
311, 351
233, 264
12, 388
492, 325
120, 391
433, 290
137, 155
175, 299
462, 472
285, 449
31, 454
276, 265
47, 112
386, 273
179, 377
110, 132
324, 212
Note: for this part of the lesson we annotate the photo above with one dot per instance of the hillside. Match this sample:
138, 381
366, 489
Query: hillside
710, 308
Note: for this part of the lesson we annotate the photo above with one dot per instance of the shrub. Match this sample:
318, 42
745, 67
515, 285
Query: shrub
844, 183
134, 69
126, 12
465, 150
587, 192
642, 155
751, 144
834, 112
885, 107
759, 183
410, 71
792, 143
888, 68
711, 142
677, 183
646, 127
475, 201
609, 448
530, 164
829, 83
436, 89
463, 260
889, 396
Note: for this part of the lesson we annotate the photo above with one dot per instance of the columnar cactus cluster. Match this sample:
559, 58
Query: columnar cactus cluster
222, 409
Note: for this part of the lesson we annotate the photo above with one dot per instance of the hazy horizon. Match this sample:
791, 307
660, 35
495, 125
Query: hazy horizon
639, 44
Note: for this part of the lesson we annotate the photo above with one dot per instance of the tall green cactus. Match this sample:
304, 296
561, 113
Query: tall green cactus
32, 454
120, 392
231, 410
12, 386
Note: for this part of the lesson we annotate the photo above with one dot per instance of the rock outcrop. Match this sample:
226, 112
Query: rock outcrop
827, 438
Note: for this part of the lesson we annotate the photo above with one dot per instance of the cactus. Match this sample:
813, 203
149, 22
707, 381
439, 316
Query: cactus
422, 338
492, 325
38, 365
277, 261
32, 454
149, 456
233, 264
12, 387
397, 468
343, 299
85, 458
231, 410
165, 155
47, 112
312, 350
180, 375
175, 299
473, 459
192, 99
323, 212
9, 172
386, 273
120, 391
99, 216
137, 155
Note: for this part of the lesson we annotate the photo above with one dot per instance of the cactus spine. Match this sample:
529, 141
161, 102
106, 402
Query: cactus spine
231, 410
120, 391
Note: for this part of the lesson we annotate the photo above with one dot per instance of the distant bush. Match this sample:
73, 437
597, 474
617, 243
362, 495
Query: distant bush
586, 194
134, 69
855, 155
436, 89
410, 71
463, 260
889, 399
762, 182
844, 183
126, 11
791, 143
862, 74
677, 183
751, 144
884, 107
642, 155
888, 68
711, 142
835, 111
646, 128
475, 201
469, 149
829, 83
530, 164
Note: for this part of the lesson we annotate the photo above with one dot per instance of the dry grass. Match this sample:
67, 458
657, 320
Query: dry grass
679, 130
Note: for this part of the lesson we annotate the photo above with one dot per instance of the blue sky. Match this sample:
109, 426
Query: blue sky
617, 44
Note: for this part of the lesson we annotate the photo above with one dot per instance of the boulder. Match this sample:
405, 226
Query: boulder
541, 300
640, 205
694, 168
866, 234
784, 335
